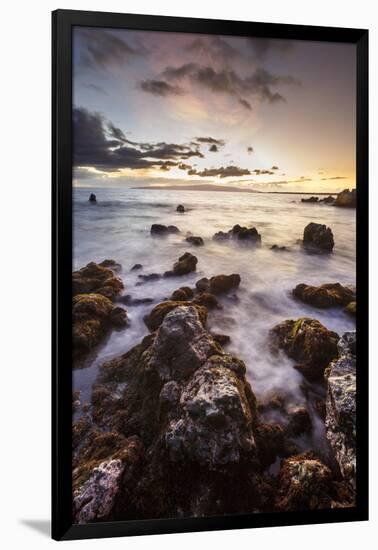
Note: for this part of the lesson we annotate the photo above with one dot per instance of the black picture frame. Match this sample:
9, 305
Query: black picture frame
62, 24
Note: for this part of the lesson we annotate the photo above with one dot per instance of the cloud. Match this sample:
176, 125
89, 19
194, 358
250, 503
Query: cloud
95, 88
259, 84
215, 46
101, 48
101, 145
334, 178
261, 47
210, 140
259, 172
160, 88
274, 167
222, 172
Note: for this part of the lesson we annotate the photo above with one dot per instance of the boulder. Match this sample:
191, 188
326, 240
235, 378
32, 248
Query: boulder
96, 278
247, 235
346, 198
180, 208
92, 198
324, 296
340, 418
224, 283
318, 238
160, 230
154, 319
308, 342
150, 277
184, 265
196, 241
182, 294
304, 483
208, 300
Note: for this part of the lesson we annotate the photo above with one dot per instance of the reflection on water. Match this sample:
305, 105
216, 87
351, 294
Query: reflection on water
118, 227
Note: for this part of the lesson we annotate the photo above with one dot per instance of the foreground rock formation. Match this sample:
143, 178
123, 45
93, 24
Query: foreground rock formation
341, 407
324, 296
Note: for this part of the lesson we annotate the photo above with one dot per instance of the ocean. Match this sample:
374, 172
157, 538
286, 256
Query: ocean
118, 227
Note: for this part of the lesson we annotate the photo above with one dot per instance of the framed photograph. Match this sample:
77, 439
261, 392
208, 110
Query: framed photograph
210, 302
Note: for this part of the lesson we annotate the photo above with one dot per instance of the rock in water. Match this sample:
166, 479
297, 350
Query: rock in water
248, 235
184, 265
346, 198
318, 237
92, 198
160, 230
154, 319
219, 284
324, 296
180, 208
96, 278
311, 199
341, 407
196, 241
308, 342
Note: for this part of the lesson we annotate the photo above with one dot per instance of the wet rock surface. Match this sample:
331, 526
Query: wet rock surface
248, 235
180, 208
309, 343
324, 296
184, 265
195, 241
340, 418
97, 278
160, 230
346, 198
219, 284
318, 238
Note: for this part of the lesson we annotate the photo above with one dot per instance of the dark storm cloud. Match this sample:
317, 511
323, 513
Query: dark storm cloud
101, 145
245, 104
102, 48
160, 88
259, 84
222, 172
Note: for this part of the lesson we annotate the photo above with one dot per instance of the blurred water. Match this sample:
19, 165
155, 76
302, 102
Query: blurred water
118, 227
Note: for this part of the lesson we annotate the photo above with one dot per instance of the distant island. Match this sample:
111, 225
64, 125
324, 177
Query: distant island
227, 189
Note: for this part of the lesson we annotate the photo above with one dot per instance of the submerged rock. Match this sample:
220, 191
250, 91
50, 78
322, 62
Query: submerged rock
180, 208
184, 265
150, 277
92, 198
196, 241
340, 418
97, 278
136, 267
318, 237
248, 235
304, 484
324, 296
163, 230
346, 198
308, 342
219, 284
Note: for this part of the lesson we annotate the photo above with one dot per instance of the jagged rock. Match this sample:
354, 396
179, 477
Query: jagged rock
163, 230
182, 294
92, 198
184, 265
311, 199
328, 295
219, 284
304, 484
346, 198
318, 237
328, 200
96, 278
180, 208
221, 236
196, 241
93, 317
248, 235
340, 418
154, 319
308, 342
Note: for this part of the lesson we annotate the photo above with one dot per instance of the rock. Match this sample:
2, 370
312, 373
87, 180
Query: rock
304, 483
136, 267
150, 277
311, 199
112, 264
96, 278
221, 339
346, 199
308, 342
195, 413
180, 208
185, 264
182, 294
93, 317
92, 198
203, 285
318, 237
208, 300
351, 308
299, 422
324, 296
158, 229
271, 442
340, 418
239, 233
154, 319
224, 283
277, 248
328, 200
196, 241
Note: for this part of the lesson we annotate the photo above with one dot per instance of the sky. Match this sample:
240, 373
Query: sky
178, 109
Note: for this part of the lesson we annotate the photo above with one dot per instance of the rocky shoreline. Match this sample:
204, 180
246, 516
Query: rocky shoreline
174, 428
